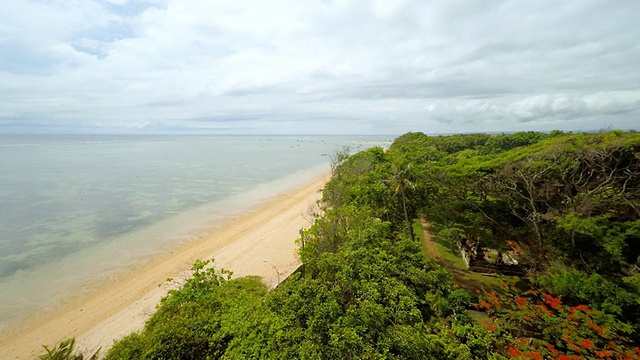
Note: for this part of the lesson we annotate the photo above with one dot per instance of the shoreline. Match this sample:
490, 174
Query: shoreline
121, 304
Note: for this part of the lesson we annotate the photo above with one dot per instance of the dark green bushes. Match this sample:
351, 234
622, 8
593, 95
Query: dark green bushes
207, 316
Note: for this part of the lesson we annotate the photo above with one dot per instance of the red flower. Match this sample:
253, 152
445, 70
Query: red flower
492, 299
513, 351
491, 328
603, 353
593, 326
564, 357
552, 348
484, 305
587, 344
522, 301
553, 302
536, 356
579, 308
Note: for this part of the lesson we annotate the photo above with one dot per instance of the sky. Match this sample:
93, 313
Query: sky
318, 66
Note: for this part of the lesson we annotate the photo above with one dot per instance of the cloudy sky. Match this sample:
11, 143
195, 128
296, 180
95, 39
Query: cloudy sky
318, 66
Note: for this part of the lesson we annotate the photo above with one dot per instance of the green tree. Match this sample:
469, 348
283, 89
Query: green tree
402, 181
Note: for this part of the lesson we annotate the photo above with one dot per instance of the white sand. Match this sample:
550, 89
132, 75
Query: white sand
122, 305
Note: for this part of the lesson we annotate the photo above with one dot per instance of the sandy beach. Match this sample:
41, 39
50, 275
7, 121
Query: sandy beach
122, 304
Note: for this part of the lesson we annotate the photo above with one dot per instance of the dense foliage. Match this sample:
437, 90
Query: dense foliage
569, 204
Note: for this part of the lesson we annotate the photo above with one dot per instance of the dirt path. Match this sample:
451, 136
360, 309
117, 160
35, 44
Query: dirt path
429, 246
124, 304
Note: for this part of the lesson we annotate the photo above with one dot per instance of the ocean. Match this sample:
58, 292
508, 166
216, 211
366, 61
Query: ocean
76, 209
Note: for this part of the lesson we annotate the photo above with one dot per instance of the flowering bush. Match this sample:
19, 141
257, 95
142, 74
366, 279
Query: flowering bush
537, 325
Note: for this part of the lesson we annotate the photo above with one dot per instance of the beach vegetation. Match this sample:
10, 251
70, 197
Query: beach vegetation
66, 350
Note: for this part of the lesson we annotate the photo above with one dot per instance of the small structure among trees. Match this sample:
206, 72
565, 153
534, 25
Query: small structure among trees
485, 260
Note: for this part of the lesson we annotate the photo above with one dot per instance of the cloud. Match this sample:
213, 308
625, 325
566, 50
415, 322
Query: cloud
561, 111
308, 66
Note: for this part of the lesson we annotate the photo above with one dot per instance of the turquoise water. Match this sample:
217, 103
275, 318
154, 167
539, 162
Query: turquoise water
75, 208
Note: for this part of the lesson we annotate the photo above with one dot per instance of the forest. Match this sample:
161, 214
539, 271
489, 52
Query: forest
564, 206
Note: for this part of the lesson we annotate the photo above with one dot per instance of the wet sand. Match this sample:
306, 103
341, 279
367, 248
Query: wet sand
123, 303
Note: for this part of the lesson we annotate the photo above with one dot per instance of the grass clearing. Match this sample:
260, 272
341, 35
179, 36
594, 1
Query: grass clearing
450, 257
449, 253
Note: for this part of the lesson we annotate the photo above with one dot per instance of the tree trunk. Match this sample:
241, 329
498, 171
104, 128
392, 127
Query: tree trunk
406, 213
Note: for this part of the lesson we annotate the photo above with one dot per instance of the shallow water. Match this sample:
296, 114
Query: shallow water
74, 209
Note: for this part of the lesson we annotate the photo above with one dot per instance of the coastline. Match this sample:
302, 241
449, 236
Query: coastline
122, 304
